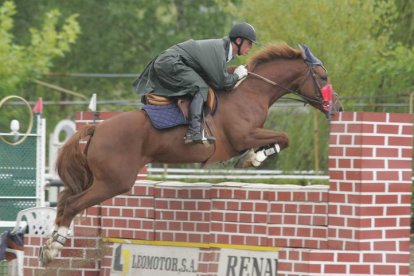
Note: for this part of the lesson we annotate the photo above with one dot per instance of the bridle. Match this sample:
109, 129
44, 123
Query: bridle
318, 99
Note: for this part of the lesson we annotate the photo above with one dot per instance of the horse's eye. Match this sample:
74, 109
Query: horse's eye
324, 78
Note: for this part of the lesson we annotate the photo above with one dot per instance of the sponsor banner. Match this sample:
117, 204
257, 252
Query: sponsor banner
235, 262
147, 260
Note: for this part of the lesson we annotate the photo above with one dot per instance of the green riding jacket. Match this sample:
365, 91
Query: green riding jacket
187, 68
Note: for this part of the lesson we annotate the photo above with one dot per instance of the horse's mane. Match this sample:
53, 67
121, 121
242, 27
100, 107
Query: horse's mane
272, 52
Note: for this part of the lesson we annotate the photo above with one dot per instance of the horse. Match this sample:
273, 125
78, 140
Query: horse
118, 147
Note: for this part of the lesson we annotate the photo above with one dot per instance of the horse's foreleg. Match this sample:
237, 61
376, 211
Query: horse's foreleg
262, 143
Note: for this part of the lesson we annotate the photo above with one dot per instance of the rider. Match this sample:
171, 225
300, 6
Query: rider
190, 67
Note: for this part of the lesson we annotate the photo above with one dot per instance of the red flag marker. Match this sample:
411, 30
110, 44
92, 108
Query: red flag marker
38, 108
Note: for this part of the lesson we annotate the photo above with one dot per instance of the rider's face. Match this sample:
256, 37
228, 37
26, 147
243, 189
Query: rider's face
245, 47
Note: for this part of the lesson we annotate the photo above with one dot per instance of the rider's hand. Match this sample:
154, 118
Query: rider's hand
241, 71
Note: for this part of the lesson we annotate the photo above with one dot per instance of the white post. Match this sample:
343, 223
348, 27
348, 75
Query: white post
40, 160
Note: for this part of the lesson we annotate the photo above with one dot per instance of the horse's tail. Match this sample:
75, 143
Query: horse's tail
72, 167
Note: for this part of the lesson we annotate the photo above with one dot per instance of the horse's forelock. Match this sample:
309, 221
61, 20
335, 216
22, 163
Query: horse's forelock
272, 52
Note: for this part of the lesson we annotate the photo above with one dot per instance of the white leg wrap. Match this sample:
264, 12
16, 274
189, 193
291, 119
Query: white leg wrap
261, 155
63, 231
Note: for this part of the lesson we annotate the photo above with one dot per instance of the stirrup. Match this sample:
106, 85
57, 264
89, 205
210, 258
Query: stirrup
199, 138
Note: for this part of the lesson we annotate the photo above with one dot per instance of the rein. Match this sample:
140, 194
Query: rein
305, 99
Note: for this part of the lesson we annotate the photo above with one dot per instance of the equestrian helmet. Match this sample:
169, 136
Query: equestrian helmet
243, 30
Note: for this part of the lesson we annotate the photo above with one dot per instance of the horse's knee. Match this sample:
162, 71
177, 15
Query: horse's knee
283, 140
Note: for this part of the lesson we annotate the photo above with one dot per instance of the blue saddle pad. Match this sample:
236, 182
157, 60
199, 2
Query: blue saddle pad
165, 116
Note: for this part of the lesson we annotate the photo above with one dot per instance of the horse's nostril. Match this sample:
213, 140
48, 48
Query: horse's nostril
340, 109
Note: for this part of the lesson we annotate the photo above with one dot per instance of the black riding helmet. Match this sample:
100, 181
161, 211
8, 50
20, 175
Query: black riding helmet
244, 31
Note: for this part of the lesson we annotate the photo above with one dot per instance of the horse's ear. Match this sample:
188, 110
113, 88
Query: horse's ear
302, 49
308, 56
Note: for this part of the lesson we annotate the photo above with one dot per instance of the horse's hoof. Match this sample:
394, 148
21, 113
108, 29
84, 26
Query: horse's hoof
45, 253
44, 256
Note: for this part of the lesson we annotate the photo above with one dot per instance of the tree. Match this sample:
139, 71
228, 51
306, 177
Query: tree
121, 37
23, 63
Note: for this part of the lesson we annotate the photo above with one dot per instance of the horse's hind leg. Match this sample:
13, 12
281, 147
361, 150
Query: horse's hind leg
98, 192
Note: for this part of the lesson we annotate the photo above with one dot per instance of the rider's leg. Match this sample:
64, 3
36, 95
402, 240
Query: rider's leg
194, 132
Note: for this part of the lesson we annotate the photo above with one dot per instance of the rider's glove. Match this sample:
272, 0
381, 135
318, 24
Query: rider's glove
241, 71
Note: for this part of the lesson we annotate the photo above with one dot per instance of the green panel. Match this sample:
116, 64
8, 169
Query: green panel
4, 268
17, 176
10, 207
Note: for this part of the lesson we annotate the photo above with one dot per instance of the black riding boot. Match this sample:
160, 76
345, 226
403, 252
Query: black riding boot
194, 132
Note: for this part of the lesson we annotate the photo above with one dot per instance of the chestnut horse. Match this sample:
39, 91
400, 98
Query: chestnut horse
117, 148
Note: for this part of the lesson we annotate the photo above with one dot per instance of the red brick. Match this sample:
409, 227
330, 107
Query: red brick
370, 211
335, 151
336, 197
387, 152
384, 199
230, 228
345, 233
398, 258
404, 245
400, 188
360, 269
388, 175
313, 268
321, 256
397, 233
231, 216
368, 163
385, 246
198, 193
372, 187
336, 175
368, 140
235, 239
354, 127
407, 130
247, 206
261, 207
335, 269
400, 141
337, 128
385, 270
255, 195
399, 164
397, 211
175, 205
387, 129
400, 118
242, 194
284, 196
345, 163
345, 139
336, 221
348, 257
372, 258
369, 234
385, 222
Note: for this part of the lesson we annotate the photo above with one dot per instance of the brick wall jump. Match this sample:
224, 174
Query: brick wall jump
358, 225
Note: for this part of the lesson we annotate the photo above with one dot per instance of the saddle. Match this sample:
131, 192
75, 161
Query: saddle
183, 103
169, 112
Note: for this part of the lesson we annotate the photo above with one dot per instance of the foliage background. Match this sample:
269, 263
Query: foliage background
367, 47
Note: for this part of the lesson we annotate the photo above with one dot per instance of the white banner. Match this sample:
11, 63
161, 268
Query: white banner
234, 262
148, 260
